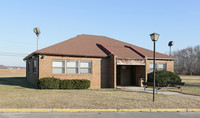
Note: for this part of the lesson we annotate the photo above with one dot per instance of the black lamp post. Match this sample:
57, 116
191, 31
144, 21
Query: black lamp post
170, 44
154, 38
37, 32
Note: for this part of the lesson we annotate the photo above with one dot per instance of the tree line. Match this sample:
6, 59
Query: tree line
188, 61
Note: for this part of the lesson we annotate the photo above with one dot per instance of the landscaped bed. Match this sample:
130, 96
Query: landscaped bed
18, 93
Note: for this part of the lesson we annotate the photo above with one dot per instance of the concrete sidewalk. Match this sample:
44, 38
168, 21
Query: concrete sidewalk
150, 90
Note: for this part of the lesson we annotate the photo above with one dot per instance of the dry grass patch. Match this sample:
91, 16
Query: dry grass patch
12, 72
18, 93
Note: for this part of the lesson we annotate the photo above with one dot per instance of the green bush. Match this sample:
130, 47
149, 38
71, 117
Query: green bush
48, 83
53, 83
163, 76
74, 84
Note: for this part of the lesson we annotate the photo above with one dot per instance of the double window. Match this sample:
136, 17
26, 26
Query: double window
71, 67
158, 66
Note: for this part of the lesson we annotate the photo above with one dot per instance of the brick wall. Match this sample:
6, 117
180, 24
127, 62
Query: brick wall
112, 71
103, 70
105, 73
140, 73
31, 76
45, 69
169, 64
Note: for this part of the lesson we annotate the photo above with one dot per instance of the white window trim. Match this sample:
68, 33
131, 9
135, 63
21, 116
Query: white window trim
53, 67
157, 66
72, 67
65, 61
86, 68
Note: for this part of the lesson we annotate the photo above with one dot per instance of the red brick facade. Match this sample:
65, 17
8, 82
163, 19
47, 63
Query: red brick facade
103, 70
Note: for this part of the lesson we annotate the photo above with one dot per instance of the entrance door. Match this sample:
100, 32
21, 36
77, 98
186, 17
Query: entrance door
126, 75
123, 75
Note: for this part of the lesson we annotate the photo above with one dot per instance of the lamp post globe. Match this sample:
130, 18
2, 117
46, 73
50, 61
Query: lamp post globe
154, 36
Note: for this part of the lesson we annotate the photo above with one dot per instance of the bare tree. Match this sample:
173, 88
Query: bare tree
188, 60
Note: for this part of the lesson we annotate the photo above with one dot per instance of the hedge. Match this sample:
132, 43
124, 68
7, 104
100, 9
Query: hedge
53, 83
163, 76
48, 83
74, 84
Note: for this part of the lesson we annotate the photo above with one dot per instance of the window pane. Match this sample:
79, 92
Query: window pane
58, 63
151, 65
164, 67
34, 66
58, 70
72, 70
34, 63
161, 66
85, 64
72, 64
85, 70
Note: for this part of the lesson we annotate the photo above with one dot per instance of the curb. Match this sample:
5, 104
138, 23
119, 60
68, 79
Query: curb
98, 110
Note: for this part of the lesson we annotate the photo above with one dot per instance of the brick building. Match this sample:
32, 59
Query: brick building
104, 61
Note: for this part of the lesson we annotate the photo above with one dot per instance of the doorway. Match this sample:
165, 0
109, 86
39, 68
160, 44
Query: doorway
126, 75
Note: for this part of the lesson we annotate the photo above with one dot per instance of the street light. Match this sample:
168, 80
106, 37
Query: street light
37, 32
154, 38
170, 44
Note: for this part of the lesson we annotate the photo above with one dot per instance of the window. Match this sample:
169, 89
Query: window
72, 67
34, 65
85, 67
158, 66
58, 67
161, 66
28, 66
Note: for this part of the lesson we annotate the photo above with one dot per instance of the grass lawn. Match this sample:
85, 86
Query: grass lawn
16, 92
192, 85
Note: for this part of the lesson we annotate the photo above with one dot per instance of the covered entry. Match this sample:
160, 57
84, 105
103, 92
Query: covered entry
130, 72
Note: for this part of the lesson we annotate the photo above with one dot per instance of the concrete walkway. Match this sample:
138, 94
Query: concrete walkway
150, 90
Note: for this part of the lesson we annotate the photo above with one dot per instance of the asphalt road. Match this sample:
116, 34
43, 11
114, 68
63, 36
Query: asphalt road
104, 115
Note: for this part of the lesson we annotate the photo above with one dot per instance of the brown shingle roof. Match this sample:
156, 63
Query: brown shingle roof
87, 45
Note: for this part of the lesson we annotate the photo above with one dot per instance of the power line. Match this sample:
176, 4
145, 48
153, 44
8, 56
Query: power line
16, 54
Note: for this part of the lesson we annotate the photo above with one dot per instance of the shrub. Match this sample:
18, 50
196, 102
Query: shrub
53, 83
163, 76
74, 84
48, 83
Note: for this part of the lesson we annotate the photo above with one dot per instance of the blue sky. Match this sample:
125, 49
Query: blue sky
127, 20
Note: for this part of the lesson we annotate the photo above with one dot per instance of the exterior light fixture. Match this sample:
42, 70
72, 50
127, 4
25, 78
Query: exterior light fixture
37, 32
170, 44
154, 38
